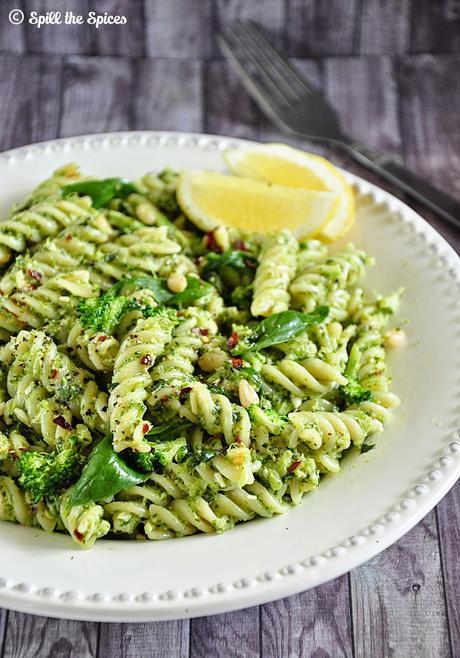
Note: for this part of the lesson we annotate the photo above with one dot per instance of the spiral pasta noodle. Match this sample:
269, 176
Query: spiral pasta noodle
277, 264
137, 354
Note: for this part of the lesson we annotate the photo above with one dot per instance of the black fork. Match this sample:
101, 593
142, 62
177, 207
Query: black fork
295, 106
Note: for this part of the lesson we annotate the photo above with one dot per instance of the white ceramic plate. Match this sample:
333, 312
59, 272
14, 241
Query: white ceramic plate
352, 516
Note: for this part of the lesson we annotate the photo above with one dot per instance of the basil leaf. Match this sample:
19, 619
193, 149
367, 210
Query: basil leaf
101, 191
196, 289
281, 327
104, 475
233, 258
169, 431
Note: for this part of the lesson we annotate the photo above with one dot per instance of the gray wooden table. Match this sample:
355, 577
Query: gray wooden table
392, 69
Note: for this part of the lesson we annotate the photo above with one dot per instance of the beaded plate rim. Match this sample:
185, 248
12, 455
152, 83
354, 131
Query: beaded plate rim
288, 579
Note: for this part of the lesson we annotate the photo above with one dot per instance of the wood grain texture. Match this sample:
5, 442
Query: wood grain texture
96, 95
175, 29
316, 27
12, 37
436, 26
316, 623
127, 39
29, 99
167, 95
29, 636
364, 91
385, 26
269, 14
229, 109
167, 639
430, 89
398, 599
58, 38
448, 512
233, 635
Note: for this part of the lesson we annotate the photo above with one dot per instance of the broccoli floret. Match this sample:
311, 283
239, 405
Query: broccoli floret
162, 453
105, 312
44, 474
353, 392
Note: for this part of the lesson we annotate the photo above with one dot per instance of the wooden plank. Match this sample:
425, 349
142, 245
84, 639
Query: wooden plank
3, 620
364, 92
223, 115
29, 99
269, 14
29, 636
385, 27
322, 28
398, 599
436, 26
159, 640
430, 88
96, 96
12, 36
127, 39
167, 94
448, 512
315, 623
173, 30
62, 38
233, 635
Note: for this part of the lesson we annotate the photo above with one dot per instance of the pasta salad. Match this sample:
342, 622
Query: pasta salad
158, 381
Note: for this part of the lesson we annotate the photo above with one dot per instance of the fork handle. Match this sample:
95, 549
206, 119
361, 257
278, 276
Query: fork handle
432, 197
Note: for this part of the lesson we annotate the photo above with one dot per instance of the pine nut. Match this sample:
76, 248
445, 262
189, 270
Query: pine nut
221, 237
247, 394
395, 338
177, 282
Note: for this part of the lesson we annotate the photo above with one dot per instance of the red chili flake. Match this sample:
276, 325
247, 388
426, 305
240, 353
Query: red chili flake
78, 535
251, 264
210, 242
101, 339
145, 428
165, 398
238, 439
68, 238
62, 422
34, 274
185, 390
293, 466
203, 331
146, 360
237, 362
240, 245
233, 340
54, 373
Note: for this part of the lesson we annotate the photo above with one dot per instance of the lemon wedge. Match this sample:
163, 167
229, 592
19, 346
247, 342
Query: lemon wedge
290, 167
211, 199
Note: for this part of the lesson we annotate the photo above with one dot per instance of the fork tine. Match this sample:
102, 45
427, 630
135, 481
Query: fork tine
250, 82
284, 76
289, 73
246, 56
258, 81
